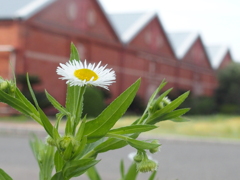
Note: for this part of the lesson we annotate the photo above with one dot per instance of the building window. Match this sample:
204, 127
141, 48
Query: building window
91, 17
72, 11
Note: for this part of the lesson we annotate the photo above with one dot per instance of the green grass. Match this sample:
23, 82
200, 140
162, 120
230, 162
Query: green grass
215, 126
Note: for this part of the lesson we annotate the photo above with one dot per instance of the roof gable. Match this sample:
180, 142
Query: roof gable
182, 42
143, 31
22, 9
217, 54
128, 25
85, 17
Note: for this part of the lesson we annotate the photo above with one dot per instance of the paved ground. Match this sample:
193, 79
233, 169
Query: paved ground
182, 159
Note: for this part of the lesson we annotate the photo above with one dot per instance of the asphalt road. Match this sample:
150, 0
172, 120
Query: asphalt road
178, 160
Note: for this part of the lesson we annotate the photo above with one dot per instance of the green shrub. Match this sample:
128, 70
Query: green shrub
93, 102
200, 105
227, 94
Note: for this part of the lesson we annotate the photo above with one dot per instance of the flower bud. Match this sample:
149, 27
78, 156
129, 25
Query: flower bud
147, 165
138, 157
7, 86
68, 145
50, 141
165, 101
154, 150
64, 142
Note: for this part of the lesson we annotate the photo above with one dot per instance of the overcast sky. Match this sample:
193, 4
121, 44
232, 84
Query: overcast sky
217, 21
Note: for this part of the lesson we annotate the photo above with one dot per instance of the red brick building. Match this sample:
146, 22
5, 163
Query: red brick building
35, 36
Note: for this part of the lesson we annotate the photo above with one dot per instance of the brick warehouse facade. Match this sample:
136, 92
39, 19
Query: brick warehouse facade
38, 41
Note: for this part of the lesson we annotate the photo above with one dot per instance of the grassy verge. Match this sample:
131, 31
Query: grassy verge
215, 126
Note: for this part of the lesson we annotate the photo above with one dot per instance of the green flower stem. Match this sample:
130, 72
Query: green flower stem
36, 118
79, 108
118, 136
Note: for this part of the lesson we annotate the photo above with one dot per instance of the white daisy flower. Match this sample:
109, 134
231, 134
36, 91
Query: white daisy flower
80, 74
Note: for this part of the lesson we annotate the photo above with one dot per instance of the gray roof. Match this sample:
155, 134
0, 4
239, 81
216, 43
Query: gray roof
129, 25
23, 9
181, 42
216, 54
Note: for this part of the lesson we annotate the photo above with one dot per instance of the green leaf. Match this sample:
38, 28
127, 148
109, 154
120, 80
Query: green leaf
81, 128
97, 128
24, 100
81, 147
4, 175
68, 152
152, 177
112, 143
58, 161
93, 174
69, 126
179, 119
174, 104
170, 116
17, 104
56, 104
151, 99
134, 143
132, 129
88, 147
141, 144
170, 107
31, 92
132, 172
58, 176
46, 123
74, 53
78, 167
122, 170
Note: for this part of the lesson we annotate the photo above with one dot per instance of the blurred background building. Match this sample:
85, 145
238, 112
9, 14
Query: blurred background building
35, 36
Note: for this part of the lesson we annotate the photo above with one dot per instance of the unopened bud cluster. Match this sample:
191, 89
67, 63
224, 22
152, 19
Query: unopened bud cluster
165, 101
66, 144
7, 86
144, 164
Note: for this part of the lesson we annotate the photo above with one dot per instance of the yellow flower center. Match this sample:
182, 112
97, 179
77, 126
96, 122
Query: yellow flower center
85, 74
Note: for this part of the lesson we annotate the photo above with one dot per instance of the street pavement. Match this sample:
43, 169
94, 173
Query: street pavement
179, 158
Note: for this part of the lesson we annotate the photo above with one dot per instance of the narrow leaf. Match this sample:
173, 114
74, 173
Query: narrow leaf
46, 123
163, 83
74, 53
56, 104
169, 116
98, 127
152, 177
122, 170
58, 161
132, 129
132, 172
58, 176
24, 100
134, 143
4, 175
31, 92
78, 167
174, 104
93, 174
16, 104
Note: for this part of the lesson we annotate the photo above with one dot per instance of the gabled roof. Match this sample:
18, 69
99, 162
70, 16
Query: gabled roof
129, 25
181, 42
216, 54
21, 9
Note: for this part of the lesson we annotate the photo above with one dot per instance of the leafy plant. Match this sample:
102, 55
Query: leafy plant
76, 150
